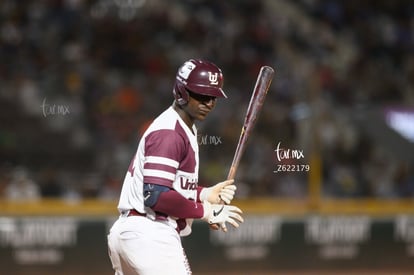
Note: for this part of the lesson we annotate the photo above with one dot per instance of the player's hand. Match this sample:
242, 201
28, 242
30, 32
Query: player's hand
221, 214
222, 192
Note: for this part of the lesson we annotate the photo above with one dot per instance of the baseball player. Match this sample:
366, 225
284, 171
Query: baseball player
160, 196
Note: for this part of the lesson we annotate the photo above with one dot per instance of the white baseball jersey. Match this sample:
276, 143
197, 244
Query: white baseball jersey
167, 155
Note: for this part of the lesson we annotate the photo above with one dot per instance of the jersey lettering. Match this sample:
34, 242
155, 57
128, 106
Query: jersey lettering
187, 185
131, 167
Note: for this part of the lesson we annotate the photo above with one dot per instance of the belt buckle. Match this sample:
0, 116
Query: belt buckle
124, 213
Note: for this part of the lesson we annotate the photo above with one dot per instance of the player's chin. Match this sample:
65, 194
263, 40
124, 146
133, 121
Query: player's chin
202, 115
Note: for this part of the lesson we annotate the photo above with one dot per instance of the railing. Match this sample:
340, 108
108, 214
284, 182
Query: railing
284, 207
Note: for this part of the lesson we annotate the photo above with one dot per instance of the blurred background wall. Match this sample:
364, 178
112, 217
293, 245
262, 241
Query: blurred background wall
81, 80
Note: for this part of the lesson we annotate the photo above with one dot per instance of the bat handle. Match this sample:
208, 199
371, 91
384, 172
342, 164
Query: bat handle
230, 176
232, 173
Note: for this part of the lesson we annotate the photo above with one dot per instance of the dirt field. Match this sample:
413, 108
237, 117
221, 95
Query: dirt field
330, 272
324, 272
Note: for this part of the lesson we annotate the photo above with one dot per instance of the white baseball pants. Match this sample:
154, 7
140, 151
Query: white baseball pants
138, 245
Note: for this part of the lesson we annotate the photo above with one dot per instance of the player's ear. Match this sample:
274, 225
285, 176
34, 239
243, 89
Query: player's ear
180, 106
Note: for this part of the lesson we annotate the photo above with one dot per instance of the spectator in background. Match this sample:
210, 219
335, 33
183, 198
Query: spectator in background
21, 187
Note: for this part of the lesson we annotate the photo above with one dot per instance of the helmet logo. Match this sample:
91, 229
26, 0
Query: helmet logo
186, 69
213, 78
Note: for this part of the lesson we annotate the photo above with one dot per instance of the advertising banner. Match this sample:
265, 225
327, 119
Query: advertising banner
77, 245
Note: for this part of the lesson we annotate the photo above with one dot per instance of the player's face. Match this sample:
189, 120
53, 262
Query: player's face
199, 106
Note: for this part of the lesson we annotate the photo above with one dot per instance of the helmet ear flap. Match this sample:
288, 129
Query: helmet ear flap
180, 94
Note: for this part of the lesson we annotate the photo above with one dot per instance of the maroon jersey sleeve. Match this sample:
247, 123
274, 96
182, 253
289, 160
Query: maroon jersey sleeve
174, 204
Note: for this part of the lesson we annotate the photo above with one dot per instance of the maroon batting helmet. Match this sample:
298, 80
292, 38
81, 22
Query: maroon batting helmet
200, 77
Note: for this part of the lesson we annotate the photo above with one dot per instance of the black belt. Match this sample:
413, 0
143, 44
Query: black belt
158, 216
134, 212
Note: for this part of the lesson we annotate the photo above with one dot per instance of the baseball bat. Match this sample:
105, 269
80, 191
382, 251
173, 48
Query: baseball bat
263, 81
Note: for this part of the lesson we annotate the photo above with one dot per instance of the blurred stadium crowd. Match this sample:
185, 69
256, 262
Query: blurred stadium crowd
80, 81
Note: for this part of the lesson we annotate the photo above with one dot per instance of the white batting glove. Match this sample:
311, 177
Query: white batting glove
221, 192
220, 214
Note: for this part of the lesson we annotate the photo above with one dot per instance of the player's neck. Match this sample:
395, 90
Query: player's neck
188, 120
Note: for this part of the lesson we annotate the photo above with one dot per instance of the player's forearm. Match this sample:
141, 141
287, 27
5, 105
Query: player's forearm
174, 204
